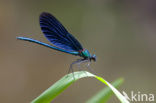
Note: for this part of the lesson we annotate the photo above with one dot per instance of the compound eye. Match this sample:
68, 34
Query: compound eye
94, 57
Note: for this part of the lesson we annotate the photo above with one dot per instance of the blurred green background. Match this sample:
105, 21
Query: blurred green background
122, 33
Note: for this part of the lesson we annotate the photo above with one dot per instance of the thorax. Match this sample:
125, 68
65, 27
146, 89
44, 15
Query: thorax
85, 53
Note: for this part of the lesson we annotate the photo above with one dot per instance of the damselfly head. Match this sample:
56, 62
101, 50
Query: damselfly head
93, 57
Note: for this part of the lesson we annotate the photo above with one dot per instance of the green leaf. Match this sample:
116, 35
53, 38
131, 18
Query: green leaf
48, 95
103, 95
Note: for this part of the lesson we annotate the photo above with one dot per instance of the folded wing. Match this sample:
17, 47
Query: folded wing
56, 33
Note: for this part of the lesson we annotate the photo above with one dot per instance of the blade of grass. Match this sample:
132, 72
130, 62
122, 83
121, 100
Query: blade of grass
115, 91
103, 95
48, 95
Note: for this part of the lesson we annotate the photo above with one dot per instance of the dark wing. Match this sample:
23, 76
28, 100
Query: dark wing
55, 32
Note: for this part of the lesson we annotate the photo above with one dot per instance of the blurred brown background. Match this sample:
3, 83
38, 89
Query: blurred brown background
122, 33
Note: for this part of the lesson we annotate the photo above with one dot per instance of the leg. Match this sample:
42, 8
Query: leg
90, 69
84, 61
71, 65
79, 61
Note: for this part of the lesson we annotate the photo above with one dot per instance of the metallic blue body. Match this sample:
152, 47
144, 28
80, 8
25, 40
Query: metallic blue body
47, 45
62, 40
